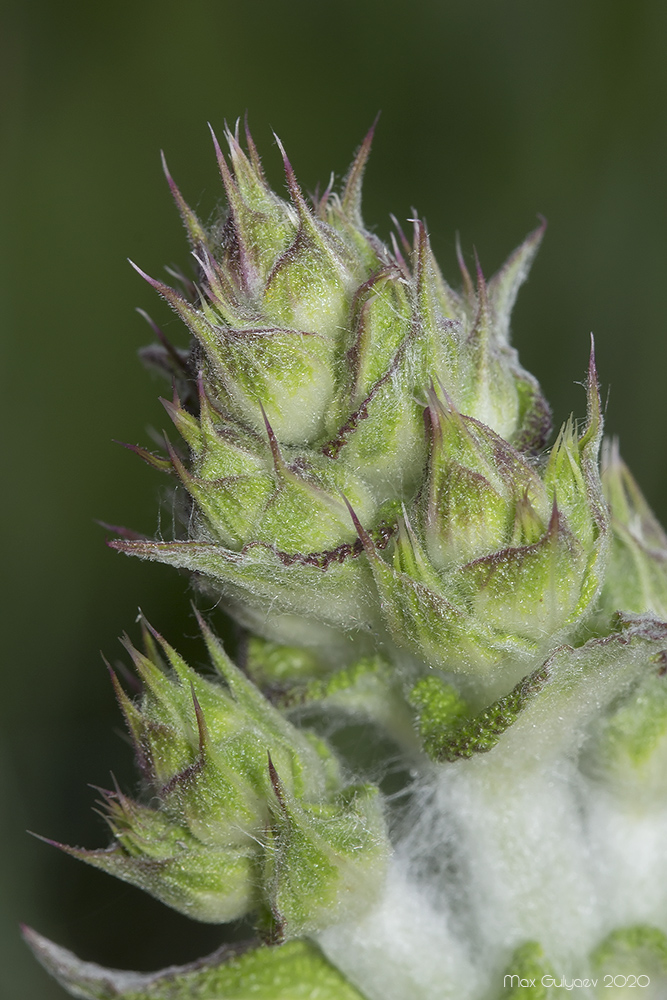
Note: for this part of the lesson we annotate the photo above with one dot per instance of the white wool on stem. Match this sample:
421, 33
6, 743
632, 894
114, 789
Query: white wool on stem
405, 946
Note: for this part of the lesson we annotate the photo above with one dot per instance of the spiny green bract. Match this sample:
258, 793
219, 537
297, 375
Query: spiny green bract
245, 813
361, 443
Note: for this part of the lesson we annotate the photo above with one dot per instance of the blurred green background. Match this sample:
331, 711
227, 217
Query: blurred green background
492, 111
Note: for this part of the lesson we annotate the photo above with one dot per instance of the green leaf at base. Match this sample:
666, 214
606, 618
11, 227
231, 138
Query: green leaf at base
293, 971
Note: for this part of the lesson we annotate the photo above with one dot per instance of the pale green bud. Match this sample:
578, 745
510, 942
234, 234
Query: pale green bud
482, 495
319, 859
315, 350
232, 788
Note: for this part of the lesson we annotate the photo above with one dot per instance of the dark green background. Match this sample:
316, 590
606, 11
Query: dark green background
492, 111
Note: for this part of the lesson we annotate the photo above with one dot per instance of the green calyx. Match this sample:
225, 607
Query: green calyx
234, 794
318, 503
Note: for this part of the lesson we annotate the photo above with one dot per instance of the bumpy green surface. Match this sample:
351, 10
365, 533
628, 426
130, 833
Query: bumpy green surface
360, 440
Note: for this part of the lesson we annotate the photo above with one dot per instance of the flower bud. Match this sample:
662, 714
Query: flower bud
236, 797
314, 501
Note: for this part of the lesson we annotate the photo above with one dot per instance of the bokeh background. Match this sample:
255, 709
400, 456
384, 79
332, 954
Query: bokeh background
492, 111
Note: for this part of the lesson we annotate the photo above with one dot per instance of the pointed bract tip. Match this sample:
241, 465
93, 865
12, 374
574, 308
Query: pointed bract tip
153, 631
246, 129
273, 442
29, 935
433, 401
165, 168
123, 699
123, 533
83, 979
225, 172
594, 421
351, 195
202, 728
364, 537
112, 673
425, 262
170, 294
128, 645
53, 843
367, 141
153, 282
155, 461
255, 161
401, 235
286, 163
170, 405
446, 402
233, 142
532, 240
321, 202
481, 280
56, 960
177, 464
478, 267
592, 369
292, 183
233, 136
204, 627
216, 144
463, 268
370, 135
275, 781
421, 236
